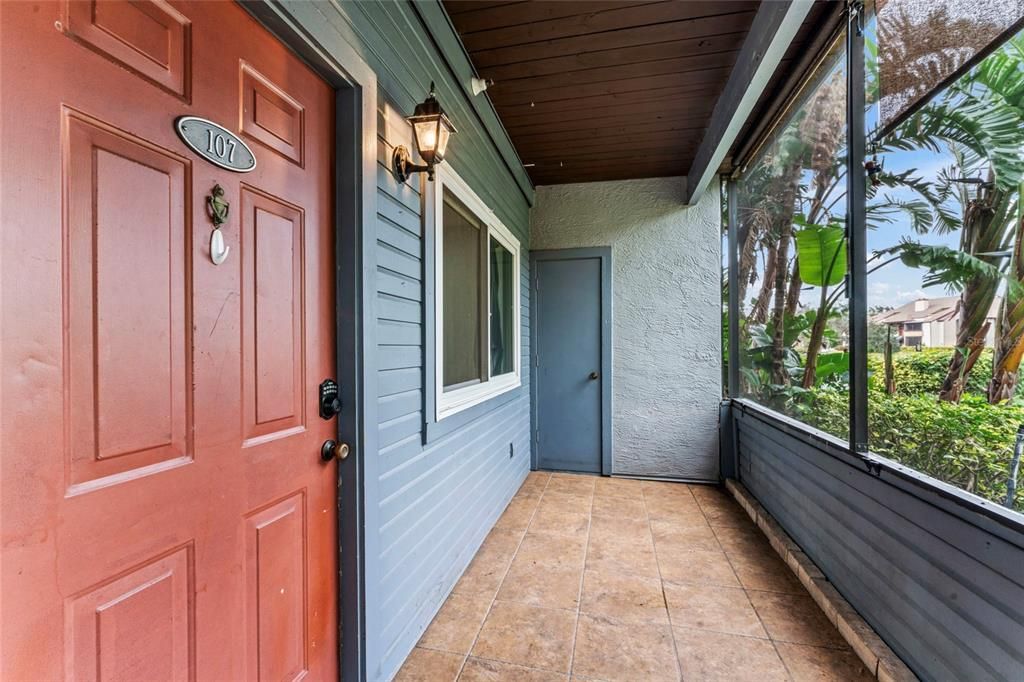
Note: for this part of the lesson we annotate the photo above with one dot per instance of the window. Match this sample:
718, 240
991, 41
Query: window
477, 303
791, 223
951, 407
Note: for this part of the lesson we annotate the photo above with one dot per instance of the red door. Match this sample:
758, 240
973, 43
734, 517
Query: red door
165, 514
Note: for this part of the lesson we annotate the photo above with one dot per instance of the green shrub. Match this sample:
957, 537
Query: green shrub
968, 445
922, 372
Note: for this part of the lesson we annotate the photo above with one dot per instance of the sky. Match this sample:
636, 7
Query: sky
896, 284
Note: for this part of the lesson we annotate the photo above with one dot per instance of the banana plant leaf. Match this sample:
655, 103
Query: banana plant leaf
821, 252
831, 365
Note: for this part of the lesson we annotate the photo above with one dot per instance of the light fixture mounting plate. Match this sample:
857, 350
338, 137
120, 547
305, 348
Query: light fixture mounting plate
403, 167
400, 162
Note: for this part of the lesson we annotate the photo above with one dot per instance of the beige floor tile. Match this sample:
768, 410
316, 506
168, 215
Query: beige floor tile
765, 571
572, 484
747, 540
814, 664
682, 512
641, 540
555, 588
455, 626
483, 576
711, 495
530, 491
679, 516
671, 536
518, 513
632, 509
642, 564
629, 555
621, 597
732, 516
721, 609
533, 486
795, 618
676, 577
718, 657
482, 670
536, 480
698, 568
527, 635
553, 551
502, 540
608, 527
538, 476
570, 502
426, 665
560, 522
609, 486
666, 488
613, 651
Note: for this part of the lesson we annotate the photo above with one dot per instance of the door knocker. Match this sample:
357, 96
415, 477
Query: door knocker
217, 208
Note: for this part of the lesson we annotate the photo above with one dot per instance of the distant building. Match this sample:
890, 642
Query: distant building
931, 322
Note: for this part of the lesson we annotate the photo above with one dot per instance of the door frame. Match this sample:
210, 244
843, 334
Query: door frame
355, 210
604, 254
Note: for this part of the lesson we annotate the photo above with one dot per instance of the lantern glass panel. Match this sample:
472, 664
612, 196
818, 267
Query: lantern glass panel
426, 137
442, 141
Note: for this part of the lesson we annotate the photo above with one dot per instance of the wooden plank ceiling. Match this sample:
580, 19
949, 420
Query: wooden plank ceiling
595, 90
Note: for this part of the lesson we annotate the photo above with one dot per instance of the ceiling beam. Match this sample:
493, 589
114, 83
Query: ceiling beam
773, 29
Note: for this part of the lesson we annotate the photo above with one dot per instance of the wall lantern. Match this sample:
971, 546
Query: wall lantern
431, 130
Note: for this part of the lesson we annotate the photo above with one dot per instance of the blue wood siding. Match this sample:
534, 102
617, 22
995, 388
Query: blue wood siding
942, 585
429, 501
436, 501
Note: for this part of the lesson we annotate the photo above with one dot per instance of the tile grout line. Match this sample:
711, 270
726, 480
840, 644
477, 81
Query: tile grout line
886, 663
583, 574
661, 580
505, 575
753, 608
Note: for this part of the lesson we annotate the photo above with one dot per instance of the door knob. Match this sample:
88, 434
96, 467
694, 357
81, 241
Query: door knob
333, 450
593, 376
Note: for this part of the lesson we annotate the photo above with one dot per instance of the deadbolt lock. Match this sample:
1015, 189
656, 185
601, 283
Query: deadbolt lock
333, 450
330, 403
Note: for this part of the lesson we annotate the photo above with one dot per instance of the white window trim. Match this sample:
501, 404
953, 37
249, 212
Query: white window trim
453, 402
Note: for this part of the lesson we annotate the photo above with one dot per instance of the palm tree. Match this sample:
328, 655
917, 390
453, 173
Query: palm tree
1002, 74
979, 120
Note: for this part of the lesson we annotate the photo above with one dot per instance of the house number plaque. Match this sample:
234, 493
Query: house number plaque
215, 143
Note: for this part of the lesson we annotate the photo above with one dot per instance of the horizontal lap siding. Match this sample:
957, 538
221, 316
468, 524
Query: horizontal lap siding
428, 506
436, 502
945, 594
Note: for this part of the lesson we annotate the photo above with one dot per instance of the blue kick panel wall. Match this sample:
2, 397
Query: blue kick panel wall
942, 585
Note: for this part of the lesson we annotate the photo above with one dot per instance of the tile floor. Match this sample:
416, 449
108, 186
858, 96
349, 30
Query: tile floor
589, 578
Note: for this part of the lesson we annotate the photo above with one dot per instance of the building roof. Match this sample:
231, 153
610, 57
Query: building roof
928, 310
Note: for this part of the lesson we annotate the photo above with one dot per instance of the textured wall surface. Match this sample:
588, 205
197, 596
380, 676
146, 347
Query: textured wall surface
666, 310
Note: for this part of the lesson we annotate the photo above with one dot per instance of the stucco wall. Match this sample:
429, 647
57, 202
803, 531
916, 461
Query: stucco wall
666, 312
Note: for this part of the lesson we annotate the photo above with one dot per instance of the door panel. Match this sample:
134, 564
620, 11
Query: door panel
122, 427
276, 552
165, 511
138, 626
568, 353
149, 37
272, 302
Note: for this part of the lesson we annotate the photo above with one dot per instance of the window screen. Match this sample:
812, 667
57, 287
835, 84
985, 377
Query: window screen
462, 296
502, 310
